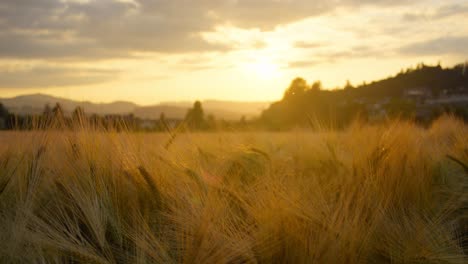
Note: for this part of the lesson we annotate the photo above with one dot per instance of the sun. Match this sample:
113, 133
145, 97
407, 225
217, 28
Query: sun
263, 68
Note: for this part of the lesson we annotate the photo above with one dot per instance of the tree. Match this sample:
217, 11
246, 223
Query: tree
59, 118
46, 116
348, 85
4, 117
195, 116
162, 117
316, 86
47, 112
297, 88
57, 111
243, 122
3, 111
162, 124
211, 122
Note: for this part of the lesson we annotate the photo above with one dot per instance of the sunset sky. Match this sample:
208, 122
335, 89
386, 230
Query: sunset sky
148, 51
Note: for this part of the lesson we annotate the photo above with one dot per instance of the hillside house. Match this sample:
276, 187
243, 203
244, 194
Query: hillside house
453, 99
418, 94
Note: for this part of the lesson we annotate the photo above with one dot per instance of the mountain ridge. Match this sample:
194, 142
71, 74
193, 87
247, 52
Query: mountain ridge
229, 110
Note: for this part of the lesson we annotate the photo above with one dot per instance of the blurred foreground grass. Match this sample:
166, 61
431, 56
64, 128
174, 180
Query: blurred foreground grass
394, 193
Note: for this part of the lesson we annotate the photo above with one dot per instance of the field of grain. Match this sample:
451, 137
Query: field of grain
392, 193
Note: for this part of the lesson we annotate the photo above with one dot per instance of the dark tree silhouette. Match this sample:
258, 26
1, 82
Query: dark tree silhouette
296, 89
47, 112
162, 124
348, 85
3, 111
47, 116
211, 122
316, 86
58, 117
195, 117
339, 107
4, 117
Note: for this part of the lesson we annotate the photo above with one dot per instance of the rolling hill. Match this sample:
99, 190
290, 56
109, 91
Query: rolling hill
228, 110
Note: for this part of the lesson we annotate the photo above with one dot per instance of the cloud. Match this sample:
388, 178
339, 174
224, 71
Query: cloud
451, 10
303, 63
27, 46
439, 46
438, 13
52, 76
199, 63
334, 55
307, 45
97, 29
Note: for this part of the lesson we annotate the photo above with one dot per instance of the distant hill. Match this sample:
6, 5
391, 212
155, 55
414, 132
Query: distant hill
34, 104
228, 110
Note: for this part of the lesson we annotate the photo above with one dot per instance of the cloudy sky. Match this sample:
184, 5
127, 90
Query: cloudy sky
149, 51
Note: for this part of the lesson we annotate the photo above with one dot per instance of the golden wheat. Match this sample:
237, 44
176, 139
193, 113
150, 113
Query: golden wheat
392, 193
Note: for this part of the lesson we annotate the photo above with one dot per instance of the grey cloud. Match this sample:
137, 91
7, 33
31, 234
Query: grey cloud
303, 63
109, 28
410, 17
307, 45
328, 56
332, 56
104, 28
200, 63
24, 46
452, 10
267, 14
438, 46
439, 13
51, 76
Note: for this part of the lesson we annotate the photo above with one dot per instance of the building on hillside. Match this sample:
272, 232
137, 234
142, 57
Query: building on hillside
418, 94
449, 101
453, 99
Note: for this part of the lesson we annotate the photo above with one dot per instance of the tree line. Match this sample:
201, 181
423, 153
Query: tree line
56, 118
302, 105
306, 104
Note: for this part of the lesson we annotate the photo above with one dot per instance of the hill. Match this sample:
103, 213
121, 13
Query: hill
229, 110
34, 104
424, 92
433, 78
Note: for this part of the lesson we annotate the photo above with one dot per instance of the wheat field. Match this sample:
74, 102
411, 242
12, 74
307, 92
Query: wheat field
388, 193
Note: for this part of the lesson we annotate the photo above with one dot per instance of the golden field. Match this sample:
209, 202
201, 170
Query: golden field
389, 193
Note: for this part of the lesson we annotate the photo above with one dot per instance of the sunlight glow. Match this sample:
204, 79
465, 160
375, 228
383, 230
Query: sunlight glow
263, 68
